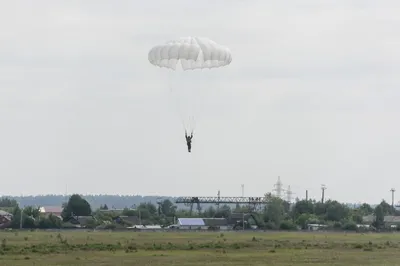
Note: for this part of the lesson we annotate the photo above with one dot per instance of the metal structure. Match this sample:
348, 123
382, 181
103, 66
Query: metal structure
393, 191
159, 203
219, 195
252, 202
278, 188
323, 188
289, 195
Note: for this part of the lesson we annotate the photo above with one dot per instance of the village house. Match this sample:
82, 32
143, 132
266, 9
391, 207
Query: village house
47, 210
5, 219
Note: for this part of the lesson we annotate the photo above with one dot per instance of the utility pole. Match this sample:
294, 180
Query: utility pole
219, 195
323, 188
242, 190
66, 195
392, 190
306, 195
20, 220
243, 221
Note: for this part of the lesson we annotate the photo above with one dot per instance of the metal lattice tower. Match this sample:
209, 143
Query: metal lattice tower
278, 187
289, 195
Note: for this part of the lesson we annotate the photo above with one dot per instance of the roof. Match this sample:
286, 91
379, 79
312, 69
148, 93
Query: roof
51, 209
130, 219
239, 216
82, 220
235, 217
392, 219
215, 221
387, 219
149, 227
85, 219
191, 221
317, 225
153, 227
368, 218
4, 213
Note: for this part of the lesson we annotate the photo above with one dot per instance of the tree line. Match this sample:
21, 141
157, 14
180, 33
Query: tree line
276, 214
113, 201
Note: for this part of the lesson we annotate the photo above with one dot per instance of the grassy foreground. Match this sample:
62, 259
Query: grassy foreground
195, 248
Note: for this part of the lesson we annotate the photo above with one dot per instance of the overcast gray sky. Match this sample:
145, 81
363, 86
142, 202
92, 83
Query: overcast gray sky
311, 95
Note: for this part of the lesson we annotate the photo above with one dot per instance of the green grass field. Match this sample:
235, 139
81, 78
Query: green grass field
196, 248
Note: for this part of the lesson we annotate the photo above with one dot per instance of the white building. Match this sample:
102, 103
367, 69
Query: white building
191, 224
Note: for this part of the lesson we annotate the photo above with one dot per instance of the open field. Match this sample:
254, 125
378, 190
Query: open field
196, 248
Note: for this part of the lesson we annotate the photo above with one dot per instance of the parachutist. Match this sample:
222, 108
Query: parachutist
186, 54
189, 140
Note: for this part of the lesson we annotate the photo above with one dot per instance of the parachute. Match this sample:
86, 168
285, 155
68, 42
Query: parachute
189, 53
192, 52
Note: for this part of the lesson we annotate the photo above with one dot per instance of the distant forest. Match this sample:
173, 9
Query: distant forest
112, 201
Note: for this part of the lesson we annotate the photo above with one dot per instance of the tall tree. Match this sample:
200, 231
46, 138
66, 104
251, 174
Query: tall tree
366, 209
209, 212
76, 206
275, 210
379, 216
386, 208
31, 211
167, 208
104, 207
223, 212
336, 211
303, 206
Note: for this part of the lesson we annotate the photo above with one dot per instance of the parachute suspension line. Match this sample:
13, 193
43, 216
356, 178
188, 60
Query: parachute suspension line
171, 90
169, 82
191, 118
192, 122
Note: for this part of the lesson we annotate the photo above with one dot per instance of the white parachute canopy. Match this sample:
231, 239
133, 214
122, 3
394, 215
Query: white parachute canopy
189, 53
